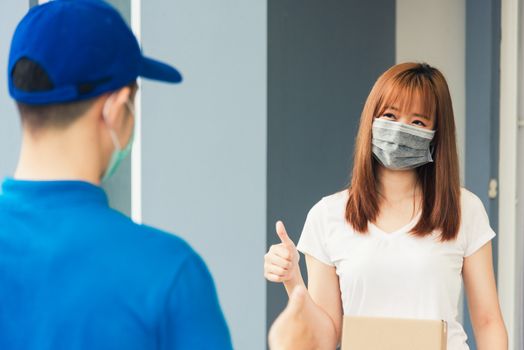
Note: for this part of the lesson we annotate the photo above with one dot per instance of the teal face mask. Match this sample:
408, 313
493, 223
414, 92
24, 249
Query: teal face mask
118, 154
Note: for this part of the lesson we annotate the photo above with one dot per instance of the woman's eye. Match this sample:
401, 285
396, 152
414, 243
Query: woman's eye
419, 123
389, 115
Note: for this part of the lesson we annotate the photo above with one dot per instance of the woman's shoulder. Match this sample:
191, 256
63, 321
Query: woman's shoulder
337, 197
469, 200
471, 207
475, 227
335, 200
332, 206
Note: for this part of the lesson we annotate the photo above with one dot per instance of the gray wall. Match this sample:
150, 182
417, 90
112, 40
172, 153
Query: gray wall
10, 132
482, 98
324, 57
204, 145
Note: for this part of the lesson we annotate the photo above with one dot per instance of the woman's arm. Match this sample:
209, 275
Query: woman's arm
326, 310
486, 317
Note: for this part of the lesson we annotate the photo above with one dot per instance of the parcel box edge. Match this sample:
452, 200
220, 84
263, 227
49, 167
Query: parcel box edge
388, 333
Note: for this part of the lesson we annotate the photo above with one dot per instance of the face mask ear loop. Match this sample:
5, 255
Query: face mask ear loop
431, 152
131, 107
432, 144
112, 133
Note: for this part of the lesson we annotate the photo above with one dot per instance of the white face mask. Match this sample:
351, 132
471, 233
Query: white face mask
118, 154
399, 146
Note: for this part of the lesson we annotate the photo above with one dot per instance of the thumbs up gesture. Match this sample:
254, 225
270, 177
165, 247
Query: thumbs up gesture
281, 262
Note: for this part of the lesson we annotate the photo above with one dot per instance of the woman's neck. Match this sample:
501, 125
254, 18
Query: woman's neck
397, 185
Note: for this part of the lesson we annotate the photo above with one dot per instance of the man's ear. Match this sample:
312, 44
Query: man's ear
123, 95
115, 108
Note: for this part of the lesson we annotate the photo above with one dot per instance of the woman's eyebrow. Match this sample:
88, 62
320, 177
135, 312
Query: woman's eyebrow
421, 116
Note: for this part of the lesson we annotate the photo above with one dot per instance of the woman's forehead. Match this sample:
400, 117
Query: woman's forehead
410, 102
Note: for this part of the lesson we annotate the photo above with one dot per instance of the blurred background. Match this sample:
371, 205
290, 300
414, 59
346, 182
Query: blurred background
264, 123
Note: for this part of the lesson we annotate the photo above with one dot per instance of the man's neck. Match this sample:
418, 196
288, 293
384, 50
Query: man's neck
58, 155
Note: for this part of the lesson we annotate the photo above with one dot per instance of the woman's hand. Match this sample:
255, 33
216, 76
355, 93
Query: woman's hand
281, 262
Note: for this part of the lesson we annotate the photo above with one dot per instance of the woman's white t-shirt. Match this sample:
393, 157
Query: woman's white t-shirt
396, 274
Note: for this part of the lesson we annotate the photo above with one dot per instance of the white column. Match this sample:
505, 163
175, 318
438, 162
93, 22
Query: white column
136, 155
507, 165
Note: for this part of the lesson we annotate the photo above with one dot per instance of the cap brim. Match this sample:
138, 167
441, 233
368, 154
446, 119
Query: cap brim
152, 69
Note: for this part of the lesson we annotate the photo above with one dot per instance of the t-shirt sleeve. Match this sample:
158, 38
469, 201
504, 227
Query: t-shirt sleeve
312, 240
194, 318
477, 229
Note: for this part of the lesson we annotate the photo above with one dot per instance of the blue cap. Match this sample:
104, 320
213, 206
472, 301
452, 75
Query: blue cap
85, 47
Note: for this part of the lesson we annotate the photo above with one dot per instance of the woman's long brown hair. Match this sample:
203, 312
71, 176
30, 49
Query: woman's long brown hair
439, 180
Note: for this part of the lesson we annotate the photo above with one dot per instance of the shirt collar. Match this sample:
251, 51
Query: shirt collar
60, 193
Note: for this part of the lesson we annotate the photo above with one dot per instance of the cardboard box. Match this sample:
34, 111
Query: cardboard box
375, 333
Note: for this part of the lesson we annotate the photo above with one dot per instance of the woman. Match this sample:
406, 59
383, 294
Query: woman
400, 240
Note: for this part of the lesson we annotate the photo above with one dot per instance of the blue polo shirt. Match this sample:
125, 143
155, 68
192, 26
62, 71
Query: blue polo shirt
75, 274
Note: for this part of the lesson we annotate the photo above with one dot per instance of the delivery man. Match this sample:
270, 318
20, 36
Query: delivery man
75, 274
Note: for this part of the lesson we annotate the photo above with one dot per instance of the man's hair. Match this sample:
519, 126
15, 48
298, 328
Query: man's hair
29, 76
54, 115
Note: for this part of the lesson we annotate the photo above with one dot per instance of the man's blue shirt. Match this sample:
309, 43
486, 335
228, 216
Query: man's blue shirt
75, 274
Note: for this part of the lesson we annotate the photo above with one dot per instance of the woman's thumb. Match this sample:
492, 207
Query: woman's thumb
282, 234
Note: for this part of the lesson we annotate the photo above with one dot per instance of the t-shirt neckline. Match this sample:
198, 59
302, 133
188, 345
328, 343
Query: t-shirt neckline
404, 229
